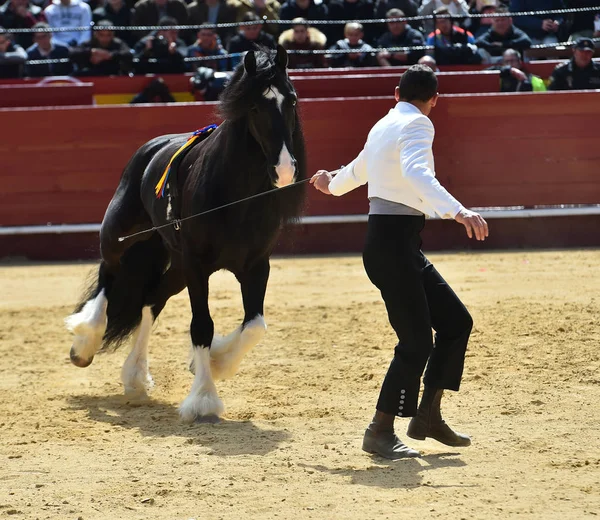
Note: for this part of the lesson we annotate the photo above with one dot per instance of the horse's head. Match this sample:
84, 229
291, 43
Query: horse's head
262, 90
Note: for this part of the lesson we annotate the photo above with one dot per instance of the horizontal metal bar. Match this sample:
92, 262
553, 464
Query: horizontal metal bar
490, 213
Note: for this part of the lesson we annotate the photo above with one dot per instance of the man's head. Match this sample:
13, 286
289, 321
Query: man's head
252, 31
353, 32
104, 36
583, 52
502, 24
43, 39
396, 28
168, 34
160, 3
207, 37
512, 58
4, 39
300, 30
115, 4
303, 4
429, 61
418, 85
444, 24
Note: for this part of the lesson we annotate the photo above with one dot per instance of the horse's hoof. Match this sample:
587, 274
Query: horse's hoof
78, 361
207, 419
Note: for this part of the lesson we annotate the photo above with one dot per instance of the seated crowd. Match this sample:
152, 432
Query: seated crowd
456, 36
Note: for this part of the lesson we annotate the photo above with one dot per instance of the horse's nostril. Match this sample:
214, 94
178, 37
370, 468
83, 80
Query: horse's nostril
78, 361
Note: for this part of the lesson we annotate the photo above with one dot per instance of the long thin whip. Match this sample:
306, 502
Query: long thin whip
178, 221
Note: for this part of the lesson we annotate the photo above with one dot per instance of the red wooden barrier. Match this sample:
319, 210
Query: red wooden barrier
29, 95
384, 84
491, 150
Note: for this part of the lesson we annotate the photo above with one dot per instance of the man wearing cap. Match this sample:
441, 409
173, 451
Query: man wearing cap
580, 72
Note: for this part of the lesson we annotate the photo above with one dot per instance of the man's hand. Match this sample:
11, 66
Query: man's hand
474, 223
517, 74
321, 181
99, 55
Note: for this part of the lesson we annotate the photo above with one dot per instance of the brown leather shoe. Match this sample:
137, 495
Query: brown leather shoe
429, 423
387, 445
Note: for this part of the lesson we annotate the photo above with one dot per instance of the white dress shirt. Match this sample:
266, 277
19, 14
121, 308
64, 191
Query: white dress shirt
397, 162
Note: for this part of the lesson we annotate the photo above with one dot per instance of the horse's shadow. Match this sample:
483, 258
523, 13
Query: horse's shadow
156, 418
408, 473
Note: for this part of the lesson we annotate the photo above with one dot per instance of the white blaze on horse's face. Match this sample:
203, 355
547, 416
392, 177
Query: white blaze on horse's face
286, 166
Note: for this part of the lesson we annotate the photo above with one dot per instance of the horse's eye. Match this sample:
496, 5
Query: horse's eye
294, 101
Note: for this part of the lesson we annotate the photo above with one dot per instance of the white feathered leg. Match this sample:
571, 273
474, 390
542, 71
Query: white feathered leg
135, 375
227, 353
202, 403
89, 326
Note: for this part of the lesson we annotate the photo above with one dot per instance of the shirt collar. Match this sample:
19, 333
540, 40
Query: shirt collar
407, 108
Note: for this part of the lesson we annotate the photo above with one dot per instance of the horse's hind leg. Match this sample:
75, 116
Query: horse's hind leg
227, 353
135, 373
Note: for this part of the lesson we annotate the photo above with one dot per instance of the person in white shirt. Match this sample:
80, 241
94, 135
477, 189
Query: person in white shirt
67, 14
397, 163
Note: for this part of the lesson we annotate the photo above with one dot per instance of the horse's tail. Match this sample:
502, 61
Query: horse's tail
136, 276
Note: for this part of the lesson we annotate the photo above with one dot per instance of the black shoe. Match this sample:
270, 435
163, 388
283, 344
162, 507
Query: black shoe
429, 423
387, 445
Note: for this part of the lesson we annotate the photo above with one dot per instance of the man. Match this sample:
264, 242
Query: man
580, 72
165, 47
119, 14
541, 29
12, 56
502, 35
514, 77
104, 54
20, 14
46, 48
261, 8
399, 34
362, 54
457, 8
416, 296
150, 12
248, 37
430, 62
69, 13
453, 45
301, 37
208, 44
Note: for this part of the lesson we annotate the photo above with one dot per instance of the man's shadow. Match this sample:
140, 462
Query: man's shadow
156, 418
405, 473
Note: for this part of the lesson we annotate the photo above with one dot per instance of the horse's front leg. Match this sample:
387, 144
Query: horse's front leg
227, 353
202, 404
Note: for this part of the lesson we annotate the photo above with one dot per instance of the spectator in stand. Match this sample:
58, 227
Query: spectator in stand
304, 38
306, 9
363, 54
580, 72
479, 26
165, 47
351, 10
457, 8
261, 8
541, 29
150, 12
208, 44
501, 36
70, 13
453, 45
44, 48
202, 12
248, 36
514, 76
12, 56
585, 24
410, 8
104, 54
399, 34
430, 62
20, 14
120, 15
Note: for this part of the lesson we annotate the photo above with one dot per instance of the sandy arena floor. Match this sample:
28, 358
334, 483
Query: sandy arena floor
72, 447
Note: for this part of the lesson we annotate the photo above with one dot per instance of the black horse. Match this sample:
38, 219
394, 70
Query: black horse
258, 147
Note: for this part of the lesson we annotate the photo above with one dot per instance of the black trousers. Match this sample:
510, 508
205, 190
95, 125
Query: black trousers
418, 300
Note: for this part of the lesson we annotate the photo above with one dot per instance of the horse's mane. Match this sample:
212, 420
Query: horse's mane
237, 97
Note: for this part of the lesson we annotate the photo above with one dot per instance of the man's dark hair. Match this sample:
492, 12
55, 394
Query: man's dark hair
418, 83
167, 21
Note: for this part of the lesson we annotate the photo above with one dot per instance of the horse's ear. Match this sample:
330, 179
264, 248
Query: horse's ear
250, 63
282, 57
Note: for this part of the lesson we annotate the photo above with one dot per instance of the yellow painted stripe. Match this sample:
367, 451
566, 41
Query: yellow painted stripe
123, 99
